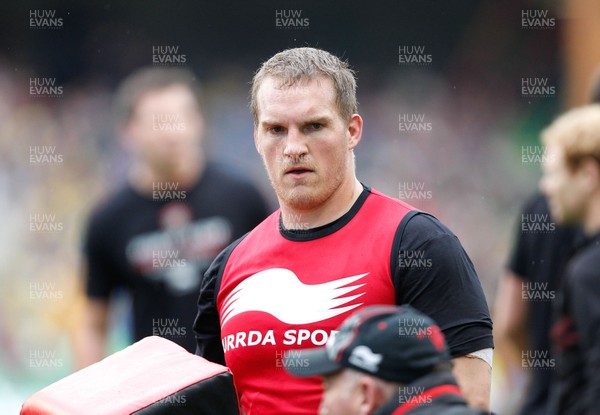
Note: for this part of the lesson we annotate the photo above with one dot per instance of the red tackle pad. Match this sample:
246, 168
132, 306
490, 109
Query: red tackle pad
153, 376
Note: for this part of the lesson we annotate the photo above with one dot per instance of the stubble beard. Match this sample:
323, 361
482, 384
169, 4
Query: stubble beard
309, 193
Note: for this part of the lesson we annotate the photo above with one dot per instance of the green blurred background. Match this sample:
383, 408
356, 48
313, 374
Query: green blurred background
469, 160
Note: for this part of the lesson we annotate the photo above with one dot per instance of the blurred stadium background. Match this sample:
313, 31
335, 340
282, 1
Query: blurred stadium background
474, 125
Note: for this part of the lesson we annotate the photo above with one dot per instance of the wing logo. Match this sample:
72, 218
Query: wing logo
279, 292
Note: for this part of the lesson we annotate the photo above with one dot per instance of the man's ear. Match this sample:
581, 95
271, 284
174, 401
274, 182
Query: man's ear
355, 126
370, 394
257, 142
589, 169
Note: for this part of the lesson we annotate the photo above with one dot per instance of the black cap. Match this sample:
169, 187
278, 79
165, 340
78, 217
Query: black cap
397, 344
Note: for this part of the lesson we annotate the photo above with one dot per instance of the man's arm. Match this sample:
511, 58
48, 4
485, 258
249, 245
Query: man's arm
99, 278
207, 326
446, 287
510, 320
474, 377
91, 346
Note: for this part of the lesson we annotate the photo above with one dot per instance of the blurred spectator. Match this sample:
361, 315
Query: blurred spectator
571, 182
527, 294
157, 235
523, 312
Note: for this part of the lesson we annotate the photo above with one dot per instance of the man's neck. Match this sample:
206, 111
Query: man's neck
334, 208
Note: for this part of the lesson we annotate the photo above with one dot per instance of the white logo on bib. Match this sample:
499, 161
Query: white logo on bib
279, 292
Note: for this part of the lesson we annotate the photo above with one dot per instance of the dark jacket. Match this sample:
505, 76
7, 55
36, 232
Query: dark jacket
576, 336
436, 394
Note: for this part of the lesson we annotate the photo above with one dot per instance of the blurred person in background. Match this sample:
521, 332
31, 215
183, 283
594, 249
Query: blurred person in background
524, 306
374, 367
522, 317
571, 183
285, 283
157, 234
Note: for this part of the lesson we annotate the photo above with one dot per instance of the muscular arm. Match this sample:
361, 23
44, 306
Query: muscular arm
448, 290
474, 377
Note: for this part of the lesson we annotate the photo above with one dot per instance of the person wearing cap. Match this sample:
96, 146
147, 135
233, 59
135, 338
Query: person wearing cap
385, 360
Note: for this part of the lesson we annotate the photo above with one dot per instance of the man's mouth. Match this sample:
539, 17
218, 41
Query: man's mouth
298, 170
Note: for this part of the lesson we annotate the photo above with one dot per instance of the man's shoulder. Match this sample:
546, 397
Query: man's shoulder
389, 201
416, 226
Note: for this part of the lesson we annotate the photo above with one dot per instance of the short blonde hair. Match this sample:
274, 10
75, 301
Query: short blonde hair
577, 133
296, 65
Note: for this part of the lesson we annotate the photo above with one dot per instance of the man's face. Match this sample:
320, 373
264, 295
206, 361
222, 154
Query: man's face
340, 394
305, 144
564, 189
165, 127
